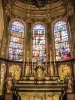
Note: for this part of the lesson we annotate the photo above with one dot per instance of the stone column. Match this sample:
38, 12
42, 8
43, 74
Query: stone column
49, 40
1, 24
29, 41
28, 46
50, 43
72, 28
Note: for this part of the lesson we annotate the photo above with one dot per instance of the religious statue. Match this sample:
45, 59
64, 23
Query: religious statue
51, 71
39, 71
9, 83
27, 70
70, 85
64, 71
15, 70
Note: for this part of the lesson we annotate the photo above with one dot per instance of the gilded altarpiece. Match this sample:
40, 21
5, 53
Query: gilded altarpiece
40, 95
64, 70
15, 70
14, 73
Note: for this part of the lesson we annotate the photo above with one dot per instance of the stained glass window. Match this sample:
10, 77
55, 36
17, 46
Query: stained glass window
61, 40
16, 41
39, 43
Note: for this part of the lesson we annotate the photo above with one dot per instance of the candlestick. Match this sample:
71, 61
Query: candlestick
24, 59
32, 67
54, 60
23, 66
28, 60
50, 57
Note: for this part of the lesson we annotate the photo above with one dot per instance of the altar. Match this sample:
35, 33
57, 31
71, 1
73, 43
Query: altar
40, 92
40, 86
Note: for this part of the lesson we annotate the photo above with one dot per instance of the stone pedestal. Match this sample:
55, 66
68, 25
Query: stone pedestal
8, 96
70, 96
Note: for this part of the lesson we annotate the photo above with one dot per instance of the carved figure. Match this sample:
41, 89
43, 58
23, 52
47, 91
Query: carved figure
9, 83
27, 70
70, 86
51, 72
15, 70
63, 71
39, 72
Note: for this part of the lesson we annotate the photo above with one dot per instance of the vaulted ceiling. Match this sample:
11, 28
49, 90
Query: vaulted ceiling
38, 9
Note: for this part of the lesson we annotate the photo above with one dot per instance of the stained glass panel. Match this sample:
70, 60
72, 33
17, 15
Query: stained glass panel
39, 43
16, 42
17, 27
61, 40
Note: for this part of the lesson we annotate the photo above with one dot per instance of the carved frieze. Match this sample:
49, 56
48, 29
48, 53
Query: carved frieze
31, 13
40, 95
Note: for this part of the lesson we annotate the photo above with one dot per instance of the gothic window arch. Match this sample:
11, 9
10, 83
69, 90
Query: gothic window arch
39, 43
16, 41
62, 47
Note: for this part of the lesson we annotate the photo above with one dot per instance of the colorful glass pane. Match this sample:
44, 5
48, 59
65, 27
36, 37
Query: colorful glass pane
39, 43
61, 40
17, 27
16, 43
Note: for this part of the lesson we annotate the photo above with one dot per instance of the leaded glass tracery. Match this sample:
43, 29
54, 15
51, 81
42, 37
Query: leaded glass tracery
16, 42
61, 40
39, 43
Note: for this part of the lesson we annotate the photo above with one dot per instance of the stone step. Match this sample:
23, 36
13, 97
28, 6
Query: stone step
36, 81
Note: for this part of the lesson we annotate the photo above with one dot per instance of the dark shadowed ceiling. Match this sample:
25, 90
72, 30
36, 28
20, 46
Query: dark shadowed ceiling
40, 3
37, 3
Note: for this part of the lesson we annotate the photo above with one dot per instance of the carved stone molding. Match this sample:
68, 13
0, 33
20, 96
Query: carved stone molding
8, 10
30, 13
69, 10
40, 96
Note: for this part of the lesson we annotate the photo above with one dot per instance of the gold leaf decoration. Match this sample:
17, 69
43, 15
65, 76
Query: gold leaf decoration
15, 70
63, 71
2, 72
40, 95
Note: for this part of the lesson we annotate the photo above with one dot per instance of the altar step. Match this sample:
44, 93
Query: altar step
32, 84
47, 80
36, 81
34, 78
